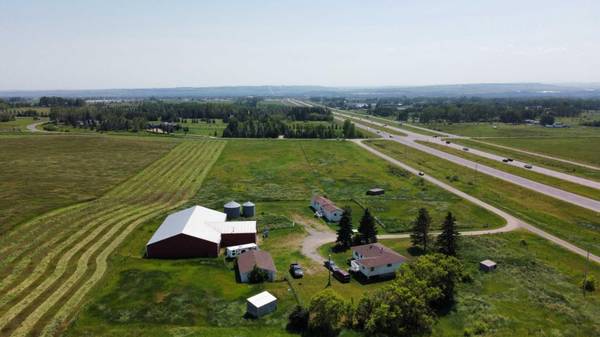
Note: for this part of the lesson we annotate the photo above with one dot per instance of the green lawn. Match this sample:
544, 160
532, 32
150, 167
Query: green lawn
586, 191
534, 160
203, 128
44, 172
572, 223
286, 170
511, 130
583, 150
20, 124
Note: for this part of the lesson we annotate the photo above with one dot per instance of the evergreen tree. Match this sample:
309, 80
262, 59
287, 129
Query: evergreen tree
420, 235
447, 241
344, 233
367, 229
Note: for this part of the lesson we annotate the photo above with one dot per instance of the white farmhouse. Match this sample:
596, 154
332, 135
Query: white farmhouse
326, 208
375, 260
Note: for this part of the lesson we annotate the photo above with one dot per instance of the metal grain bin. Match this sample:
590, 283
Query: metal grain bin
248, 209
232, 209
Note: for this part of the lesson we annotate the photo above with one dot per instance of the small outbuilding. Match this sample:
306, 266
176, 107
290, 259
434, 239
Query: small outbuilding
487, 265
234, 251
232, 209
248, 209
376, 191
261, 304
255, 258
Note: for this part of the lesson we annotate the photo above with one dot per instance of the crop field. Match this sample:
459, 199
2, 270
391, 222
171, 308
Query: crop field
51, 263
488, 146
586, 191
569, 222
286, 174
45, 172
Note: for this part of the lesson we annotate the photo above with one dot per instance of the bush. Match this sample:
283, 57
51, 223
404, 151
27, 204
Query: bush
327, 314
588, 283
50, 127
258, 275
298, 320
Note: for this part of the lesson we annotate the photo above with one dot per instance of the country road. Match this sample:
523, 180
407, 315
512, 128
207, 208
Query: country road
33, 127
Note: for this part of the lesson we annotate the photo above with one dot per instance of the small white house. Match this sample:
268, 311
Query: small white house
261, 304
234, 251
326, 208
375, 260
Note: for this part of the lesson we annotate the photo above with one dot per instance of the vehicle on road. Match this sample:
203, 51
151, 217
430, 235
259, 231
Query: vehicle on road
296, 270
421, 173
505, 160
528, 166
391, 136
330, 265
341, 275
465, 149
509, 159
447, 142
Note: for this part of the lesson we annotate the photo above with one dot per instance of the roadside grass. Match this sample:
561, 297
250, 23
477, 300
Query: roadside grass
487, 129
390, 121
51, 263
568, 186
569, 222
488, 146
45, 172
20, 124
580, 149
287, 173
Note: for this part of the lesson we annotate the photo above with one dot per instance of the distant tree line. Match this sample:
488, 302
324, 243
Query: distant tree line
592, 123
46, 101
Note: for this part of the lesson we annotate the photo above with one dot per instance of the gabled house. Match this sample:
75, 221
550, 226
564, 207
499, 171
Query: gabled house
375, 260
326, 208
255, 258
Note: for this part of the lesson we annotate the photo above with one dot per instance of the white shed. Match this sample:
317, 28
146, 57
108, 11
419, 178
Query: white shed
261, 304
487, 265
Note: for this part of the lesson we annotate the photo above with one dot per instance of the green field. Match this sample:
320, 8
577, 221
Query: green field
203, 128
511, 130
582, 150
292, 171
44, 172
586, 191
19, 124
569, 222
51, 263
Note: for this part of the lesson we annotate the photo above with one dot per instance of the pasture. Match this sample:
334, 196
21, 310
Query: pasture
496, 130
569, 222
20, 124
51, 263
203, 128
46, 172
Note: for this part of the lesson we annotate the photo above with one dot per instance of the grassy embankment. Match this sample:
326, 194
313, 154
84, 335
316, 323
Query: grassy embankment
45, 172
19, 124
564, 220
51, 263
586, 191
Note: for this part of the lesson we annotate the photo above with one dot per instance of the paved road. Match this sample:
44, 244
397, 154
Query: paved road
411, 138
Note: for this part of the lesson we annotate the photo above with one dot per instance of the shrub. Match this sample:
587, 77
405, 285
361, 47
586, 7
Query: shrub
327, 314
588, 283
258, 275
298, 320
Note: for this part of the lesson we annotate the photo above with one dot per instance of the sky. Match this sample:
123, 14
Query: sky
150, 44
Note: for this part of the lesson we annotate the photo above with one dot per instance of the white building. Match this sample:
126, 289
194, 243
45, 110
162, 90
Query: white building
234, 251
261, 304
375, 260
326, 208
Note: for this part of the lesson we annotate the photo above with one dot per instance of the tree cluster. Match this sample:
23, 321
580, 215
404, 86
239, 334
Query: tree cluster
53, 101
446, 242
367, 231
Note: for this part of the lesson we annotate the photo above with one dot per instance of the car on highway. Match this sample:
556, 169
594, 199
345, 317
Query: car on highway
296, 270
465, 149
391, 136
528, 166
447, 142
421, 173
509, 159
505, 160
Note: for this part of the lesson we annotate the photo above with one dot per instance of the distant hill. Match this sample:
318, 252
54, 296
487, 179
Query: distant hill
453, 90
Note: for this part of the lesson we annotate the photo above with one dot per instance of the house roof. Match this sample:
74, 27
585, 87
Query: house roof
260, 258
261, 299
376, 254
200, 222
327, 204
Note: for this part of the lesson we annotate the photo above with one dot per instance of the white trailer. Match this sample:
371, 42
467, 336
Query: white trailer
235, 251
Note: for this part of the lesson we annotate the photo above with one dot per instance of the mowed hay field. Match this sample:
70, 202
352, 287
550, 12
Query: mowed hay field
45, 172
286, 174
50, 263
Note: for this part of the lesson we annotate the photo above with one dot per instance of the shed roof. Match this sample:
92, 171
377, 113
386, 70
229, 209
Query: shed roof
488, 263
200, 222
262, 299
260, 258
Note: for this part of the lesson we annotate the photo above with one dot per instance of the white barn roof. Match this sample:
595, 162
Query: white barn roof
200, 222
262, 299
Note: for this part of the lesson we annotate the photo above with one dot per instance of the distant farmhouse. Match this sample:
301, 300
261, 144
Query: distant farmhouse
255, 258
326, 208
198, 232
375, 260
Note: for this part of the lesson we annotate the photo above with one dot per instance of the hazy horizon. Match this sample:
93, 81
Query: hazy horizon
67, 45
